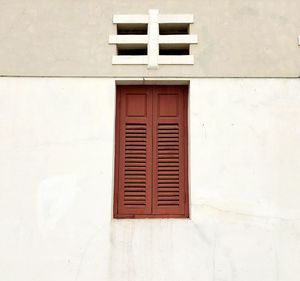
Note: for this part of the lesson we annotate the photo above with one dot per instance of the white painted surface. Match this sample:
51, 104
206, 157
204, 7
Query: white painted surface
177, 39
56, 171
175, 18
130, 19
128, 39
130, 60
179, 18
188, 59
153, 39
153, 33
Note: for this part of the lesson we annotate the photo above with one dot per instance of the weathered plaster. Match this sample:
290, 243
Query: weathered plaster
56, 174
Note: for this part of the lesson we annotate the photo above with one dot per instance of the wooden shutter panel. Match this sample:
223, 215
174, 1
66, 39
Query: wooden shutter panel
135, 150
170, 151
151, 152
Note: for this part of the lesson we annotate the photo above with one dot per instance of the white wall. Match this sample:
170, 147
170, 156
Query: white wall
56, 172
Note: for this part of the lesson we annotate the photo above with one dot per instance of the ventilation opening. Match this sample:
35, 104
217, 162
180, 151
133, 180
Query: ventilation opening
174, 49
173, 28
134, 29
132, 50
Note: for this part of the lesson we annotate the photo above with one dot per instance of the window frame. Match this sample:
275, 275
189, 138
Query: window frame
185, 139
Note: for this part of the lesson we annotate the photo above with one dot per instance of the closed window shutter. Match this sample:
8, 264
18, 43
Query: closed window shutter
135, 155
151, 152
169, 150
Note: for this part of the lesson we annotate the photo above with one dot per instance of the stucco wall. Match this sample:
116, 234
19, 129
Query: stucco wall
236, 38
56, 173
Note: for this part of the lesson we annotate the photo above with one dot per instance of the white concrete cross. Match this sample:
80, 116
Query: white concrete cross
153, 39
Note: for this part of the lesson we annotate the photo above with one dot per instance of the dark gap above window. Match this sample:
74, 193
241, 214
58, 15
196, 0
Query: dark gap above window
173, 28
132, 50
134, 29
174, 49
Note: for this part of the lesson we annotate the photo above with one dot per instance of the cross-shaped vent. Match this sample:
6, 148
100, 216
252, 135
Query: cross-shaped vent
153, 39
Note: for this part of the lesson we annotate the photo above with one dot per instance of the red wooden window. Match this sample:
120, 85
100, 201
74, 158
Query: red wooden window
151, 152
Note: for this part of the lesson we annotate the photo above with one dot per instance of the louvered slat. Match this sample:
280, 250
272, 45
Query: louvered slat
135, 166
168, 179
